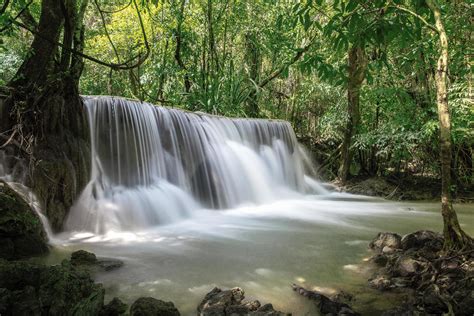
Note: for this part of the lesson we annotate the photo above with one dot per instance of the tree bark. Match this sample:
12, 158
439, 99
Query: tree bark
45, 114
177, 53
253, 62
357, 67
454, 237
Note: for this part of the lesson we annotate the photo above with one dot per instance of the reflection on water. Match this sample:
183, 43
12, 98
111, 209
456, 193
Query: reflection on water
263, 249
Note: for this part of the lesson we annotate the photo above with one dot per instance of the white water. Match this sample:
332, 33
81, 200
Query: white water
158, 176
154, 166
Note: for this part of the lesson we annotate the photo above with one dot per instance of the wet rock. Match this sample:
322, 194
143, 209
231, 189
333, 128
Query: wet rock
109, 264
380, 260
326, 305
82, 257
388, 250
406, 266
401, 282
114, 308
21, 232
252, 305
432, 301
466, 302
89, 261
216, 301
403, 310
32, 289
231, 302
149, 306
267, 310
389, 240
436, 283
422, 239
380, 283
236, 310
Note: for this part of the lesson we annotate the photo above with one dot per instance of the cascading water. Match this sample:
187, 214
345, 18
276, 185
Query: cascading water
153, 165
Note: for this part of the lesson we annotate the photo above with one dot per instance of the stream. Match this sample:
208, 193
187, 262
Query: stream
316, 242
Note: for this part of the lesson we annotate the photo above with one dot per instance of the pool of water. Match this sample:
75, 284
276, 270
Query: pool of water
313, 241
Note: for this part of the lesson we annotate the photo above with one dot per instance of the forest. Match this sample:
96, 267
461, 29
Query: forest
204, 131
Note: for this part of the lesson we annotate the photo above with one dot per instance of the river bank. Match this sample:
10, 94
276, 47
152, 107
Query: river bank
318, 242
408, 188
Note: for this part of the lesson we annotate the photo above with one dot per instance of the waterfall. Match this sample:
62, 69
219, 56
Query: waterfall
153, 165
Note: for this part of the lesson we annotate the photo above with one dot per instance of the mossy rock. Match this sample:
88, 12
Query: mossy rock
21, 231
33, 289
149, 306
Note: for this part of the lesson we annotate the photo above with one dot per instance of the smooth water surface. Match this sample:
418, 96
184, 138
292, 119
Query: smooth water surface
314, 241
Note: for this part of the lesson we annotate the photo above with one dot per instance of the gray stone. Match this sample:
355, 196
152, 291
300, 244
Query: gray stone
382, 240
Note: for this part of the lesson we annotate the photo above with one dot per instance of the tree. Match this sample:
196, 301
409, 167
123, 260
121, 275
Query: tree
454, 236
43, 115
357, 65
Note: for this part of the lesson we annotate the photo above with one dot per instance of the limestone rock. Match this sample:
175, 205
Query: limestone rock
389, 240
231, 303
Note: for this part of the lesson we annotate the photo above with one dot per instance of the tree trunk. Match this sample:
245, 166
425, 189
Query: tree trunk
177, 53
357, 67
45, 115
454, 237
253, 62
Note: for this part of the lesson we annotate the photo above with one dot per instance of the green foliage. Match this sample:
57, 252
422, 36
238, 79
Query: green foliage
228, 48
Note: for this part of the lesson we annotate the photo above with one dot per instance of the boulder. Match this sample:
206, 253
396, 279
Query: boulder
388, 241
407, 266
33, 289
21, 232
82, 257
149, 306
90, 262
325, 304
379, 259
114, 308
231, 302
422, 239
380, 283
432, 301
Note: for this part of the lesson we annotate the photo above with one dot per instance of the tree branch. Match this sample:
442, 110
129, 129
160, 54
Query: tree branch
118, 10
115, 66
12, 21
4, 6
416, 15
277, 72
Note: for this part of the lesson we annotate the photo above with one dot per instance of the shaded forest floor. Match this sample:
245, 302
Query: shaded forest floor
413, 187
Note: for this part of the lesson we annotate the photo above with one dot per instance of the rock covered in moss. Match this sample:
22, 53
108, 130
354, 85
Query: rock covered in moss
114, 308
33, 289
149, 306
89, 261
231, 302
81, 257
21, 232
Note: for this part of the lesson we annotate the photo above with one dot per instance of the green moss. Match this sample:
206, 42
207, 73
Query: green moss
21, 231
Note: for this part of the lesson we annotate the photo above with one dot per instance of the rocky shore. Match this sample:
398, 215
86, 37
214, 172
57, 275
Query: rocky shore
433, 282
28, 288
436, 283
